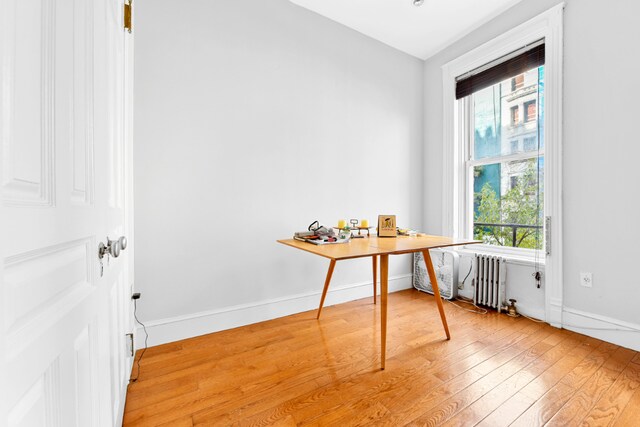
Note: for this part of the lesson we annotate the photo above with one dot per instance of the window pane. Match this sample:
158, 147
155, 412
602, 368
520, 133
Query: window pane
509, 111
515, 116
530, 143
514, 146
508, 203
530, 111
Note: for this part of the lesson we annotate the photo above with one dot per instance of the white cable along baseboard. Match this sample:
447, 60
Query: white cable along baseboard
167, 330
177, 328
625, 334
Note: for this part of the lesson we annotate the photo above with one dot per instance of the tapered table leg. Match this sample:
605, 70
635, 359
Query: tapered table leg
375, 277
384, 291
326, 286
436, 291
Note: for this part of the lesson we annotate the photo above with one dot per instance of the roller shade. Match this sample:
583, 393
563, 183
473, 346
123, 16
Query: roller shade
485, 77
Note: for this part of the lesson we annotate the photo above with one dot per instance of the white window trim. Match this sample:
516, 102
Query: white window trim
513, 258
508, 252
547, 26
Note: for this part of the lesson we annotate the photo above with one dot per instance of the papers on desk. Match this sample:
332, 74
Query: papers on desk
310, 237
319, 241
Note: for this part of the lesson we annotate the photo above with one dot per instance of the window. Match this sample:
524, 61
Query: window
457, 175
530, 111
514, 116
514, 146
530, 143
505, 197
517, 82
514, 182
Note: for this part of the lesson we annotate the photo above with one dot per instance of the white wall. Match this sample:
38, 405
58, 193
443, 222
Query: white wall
254, 118
601, 196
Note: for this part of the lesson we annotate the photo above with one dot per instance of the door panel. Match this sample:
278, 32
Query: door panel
86, 377
39, 405
82, 104
64, 320
42, 286
28, 34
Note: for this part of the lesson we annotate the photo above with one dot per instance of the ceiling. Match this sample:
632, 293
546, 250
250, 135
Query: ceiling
421, 31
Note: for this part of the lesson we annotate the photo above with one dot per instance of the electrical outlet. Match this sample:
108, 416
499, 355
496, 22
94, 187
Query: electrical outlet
586, 279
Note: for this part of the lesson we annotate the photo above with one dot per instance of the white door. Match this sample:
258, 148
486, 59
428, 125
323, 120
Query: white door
63, 322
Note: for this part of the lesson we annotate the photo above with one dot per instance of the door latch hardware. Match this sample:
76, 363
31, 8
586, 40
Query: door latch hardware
127, 15
111, 249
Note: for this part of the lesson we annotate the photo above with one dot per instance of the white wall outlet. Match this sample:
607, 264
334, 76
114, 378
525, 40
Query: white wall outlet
586, 279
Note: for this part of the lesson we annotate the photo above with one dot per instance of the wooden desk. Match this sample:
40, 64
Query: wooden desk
383, 247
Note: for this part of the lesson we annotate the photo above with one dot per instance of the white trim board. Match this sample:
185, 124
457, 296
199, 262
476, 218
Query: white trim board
622, 333
548, 26
182, 327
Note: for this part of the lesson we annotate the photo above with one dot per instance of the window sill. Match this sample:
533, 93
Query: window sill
513, 256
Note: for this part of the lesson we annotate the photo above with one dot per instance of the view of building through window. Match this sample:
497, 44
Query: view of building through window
507, 161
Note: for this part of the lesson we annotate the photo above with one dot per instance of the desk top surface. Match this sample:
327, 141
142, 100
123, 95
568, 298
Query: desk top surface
370, 246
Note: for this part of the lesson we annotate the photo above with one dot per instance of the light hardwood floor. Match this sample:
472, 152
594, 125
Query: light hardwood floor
297, 370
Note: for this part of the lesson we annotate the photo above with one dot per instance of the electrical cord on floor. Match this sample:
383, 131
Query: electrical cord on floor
479, 311
146, 339
531, 318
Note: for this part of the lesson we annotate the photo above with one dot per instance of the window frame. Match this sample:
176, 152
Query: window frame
467, 124
549, 27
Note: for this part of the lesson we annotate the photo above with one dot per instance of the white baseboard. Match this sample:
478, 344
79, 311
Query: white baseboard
192, 325
618, 332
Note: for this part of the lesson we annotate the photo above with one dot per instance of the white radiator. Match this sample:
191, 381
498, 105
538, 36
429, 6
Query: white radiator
489, 281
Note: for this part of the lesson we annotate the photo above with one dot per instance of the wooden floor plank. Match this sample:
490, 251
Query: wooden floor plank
297, 370
615, 400
242, 378
338, 378
541, 359
630, 415
398, 371
492, 345
450, 409
552, 401
576, 408
534, 390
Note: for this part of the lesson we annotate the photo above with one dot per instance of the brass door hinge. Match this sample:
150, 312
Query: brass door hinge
127, 15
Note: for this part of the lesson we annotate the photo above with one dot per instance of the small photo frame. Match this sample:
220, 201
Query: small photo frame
387, 226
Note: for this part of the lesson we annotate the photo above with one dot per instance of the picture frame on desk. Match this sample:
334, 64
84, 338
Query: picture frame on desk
387, 226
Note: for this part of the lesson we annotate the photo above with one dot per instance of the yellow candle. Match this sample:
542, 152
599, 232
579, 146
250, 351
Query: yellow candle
364, 223
342, 223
